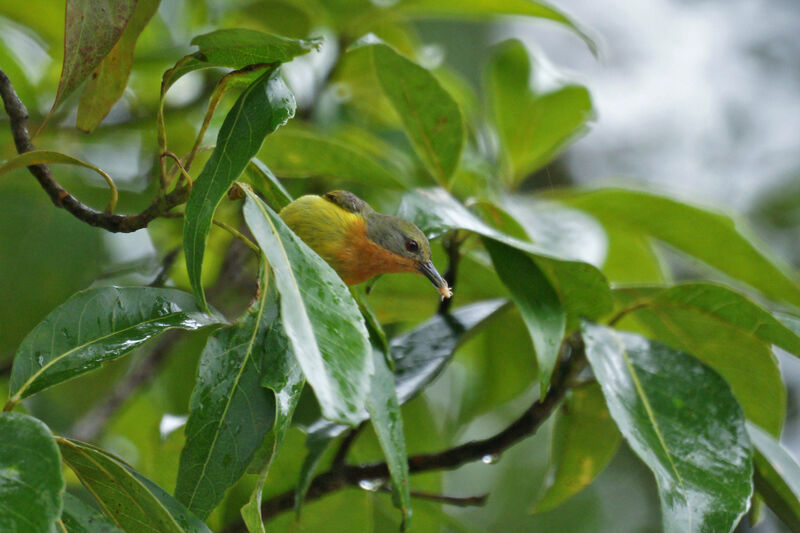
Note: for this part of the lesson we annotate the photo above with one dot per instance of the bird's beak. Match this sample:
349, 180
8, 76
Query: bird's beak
438, 281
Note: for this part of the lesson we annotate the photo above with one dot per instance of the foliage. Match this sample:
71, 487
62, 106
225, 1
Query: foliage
544, 311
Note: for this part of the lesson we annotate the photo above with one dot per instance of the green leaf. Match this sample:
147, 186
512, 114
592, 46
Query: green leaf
777, 476
230, 412
109, 79
581, 287
537, 301
481, 9
132, 501
708, 236
320, 318
682, 420
317, 445
31, 481
431, 118
263, 107
264, 181
739, 349
98, 325
78, 517
92, 27
584, 442
238, 48
287, 153
384, 413
533, 127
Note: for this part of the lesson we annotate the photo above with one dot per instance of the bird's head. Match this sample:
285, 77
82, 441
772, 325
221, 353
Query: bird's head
408, 244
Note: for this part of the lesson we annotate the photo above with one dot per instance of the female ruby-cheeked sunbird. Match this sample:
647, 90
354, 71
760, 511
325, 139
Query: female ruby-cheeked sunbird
357, 241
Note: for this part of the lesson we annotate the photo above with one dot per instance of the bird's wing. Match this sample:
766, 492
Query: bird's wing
349, 202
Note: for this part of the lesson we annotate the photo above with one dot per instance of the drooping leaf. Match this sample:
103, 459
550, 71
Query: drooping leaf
78, 517
287, 153
713, 238
320, 318
431, 118
108, 81
422, 354
237, 48
584, 442
682, 420
31, 481
131, 500
777, 476
533, 127
97, 325
581, 287
384, 413
92, 28
230, 412
316, 445
264, 181
739, 348
537, 301
263, 107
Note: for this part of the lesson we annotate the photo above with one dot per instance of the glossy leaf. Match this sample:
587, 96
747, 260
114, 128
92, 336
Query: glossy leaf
682, 420
533, 127
581, 287
230, 412
777, 476
264, 181
263, 107
78, 517
92, 28
31, 481
584, 442
431, 118
739, 349
132, 501
97, 325
384, 413
237, 48
322, 322
537, 302
109, 79
287, 151
713, 238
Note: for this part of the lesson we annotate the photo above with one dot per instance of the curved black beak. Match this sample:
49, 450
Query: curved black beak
438, 281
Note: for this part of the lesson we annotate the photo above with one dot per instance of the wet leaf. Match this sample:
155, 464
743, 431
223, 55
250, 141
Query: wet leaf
264, 181
108, 81
581, 287
777, 476
584, 442
230, 412
538, 303
31, 481
78, 517
431, 117
322, 322
92, 27
711, 237
263, 107
682, 420
132, 501
739, 349
97, 325
533, 127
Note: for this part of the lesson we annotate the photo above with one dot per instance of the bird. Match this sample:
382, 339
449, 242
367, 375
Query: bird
359, 242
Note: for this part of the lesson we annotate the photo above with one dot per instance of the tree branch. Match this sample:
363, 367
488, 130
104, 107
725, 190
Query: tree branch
571, 363
18, 117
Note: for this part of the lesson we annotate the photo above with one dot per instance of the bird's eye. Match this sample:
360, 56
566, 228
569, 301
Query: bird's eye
411, 245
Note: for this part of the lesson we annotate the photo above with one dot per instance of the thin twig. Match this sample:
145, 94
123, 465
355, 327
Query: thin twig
458, 501
347, 443
624, 312
453, 247
18, 117
166, 264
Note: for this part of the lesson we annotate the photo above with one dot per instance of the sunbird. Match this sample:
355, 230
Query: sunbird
358, 242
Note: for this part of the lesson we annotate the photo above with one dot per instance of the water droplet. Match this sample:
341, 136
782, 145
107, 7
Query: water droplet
490, 458
41, 360
371, 485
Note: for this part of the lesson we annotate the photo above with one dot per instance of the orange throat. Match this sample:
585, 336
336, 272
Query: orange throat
359, 258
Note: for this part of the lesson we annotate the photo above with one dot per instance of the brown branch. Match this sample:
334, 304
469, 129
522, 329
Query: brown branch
458, 501
166, 265
18, 117
571, 363
452, 245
